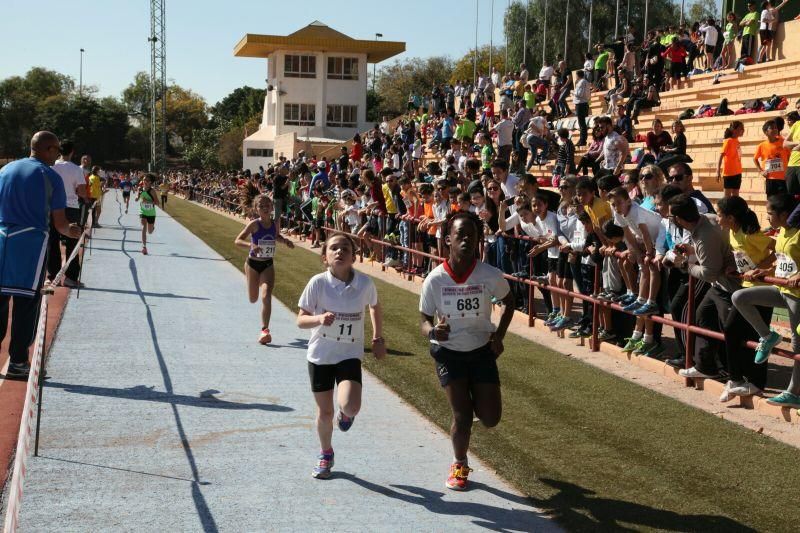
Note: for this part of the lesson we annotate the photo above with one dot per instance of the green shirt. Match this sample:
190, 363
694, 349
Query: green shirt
146, 207
730, 33
530, 99
601, 61
749, 23
468, 128
487, 154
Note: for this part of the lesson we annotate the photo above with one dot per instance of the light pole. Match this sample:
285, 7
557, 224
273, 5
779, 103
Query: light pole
80, 83
491, 34
525, 36
377, 36
475, 58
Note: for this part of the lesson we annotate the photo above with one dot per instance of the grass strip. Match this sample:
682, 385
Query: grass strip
594, 450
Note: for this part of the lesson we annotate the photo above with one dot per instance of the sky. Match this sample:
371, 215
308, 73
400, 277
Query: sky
201, 35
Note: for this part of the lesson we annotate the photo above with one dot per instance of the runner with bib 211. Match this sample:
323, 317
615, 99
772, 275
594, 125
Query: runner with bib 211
260, 236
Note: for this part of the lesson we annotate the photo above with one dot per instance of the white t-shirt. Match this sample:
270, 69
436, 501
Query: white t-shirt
509, 188
505, 130
711, 35
72, 176
344, 339
767, 19
548, 228
466, 306
546, 73
639, 215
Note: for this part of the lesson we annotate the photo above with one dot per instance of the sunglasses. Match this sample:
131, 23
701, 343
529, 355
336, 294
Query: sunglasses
492, 189
646, 176
676, 177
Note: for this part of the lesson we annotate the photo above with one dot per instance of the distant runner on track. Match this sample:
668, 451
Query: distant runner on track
332, 306
465, 344
126, 187
260, 236
147, 210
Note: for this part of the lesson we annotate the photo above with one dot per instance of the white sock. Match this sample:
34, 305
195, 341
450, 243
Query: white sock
636, 335
640, 300
651, 302
648, 339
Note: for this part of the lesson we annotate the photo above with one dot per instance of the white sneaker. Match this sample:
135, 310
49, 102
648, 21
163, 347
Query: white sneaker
694, 373
392, 262
726, 395
745, 389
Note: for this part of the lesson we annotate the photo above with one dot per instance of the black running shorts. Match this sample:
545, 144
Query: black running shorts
477, 366
323, 377
732, 182
259, 265
149, 220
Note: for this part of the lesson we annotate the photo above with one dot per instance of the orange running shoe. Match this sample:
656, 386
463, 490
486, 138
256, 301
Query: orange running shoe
265, 337
458, 476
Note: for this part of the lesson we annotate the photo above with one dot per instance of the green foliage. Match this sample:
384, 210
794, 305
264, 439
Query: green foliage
415, 75
702, 10
374, 102
463, 69
240, 106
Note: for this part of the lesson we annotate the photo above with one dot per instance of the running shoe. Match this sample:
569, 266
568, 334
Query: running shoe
650, 349
606, 296
694, 373
552, 318
726, 395
457, 480
564, 323
627, 299
343, 421
18, 370
324, 465
392, 262
765, 345
784, 399
632, 344
606, 336
646, 309
144, 250
633, 306
745, 389
265, 337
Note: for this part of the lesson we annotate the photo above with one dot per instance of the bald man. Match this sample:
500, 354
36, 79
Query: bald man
31, 195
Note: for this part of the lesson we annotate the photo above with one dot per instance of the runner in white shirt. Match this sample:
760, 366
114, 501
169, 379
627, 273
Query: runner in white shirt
456, 308
332, 306
260, 236
75, 188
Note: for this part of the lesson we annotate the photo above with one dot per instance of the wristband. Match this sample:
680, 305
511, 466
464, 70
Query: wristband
432, 334
377, 340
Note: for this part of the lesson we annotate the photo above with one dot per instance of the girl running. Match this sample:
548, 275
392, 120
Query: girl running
456, 316
332, 306
260, 236
147, 199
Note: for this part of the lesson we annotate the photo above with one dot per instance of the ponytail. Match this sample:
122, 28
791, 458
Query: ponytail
728, 133
736, 124
736, 207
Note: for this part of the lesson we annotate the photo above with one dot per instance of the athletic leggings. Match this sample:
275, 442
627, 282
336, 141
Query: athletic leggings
746, 301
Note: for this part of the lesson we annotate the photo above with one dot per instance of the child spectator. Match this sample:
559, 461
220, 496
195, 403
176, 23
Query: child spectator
729, 165
487, 152
547, 240
771, 159
567, 222
613, 236
584, 246
676, 54
565, 161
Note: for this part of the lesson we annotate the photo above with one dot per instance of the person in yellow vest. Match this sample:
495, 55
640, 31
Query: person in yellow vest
96, 192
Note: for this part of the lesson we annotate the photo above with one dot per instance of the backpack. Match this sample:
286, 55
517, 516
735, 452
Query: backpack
710, 112
772, 103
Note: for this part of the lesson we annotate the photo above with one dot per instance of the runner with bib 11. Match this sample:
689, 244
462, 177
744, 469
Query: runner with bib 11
260, 236
332, 307
147, 208
456, 308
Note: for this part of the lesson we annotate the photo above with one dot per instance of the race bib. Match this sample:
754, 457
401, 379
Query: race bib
147, 206
346, 327
743, 262
266, 248
463, 301
785, 267
774, 165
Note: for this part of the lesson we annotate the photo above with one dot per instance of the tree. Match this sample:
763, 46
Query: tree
702, 10
395, 82
239, 106
463, 69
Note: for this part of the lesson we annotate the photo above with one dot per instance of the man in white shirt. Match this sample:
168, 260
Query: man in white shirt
495, 77
385, 126
508, 182
580, 98
523, 73
505, 134
615, 147
536, 137
75, 188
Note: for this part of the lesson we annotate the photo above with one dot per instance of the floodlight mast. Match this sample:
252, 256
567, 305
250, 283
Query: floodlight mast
158, 86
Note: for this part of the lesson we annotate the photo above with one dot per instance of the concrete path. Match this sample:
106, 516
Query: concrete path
162, 413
